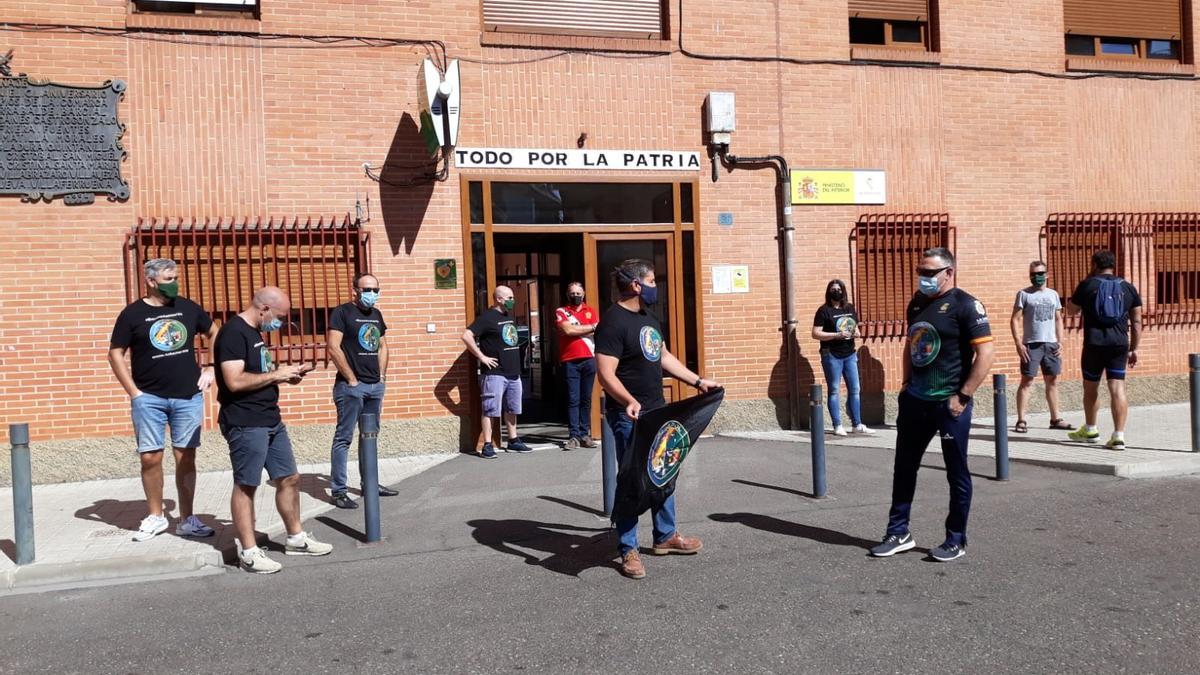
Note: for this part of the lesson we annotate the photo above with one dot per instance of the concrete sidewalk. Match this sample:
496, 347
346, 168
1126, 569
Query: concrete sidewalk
83, 531
1159, 439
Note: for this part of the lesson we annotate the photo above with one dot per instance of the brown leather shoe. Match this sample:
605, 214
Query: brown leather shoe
588, 442
678, 544
631, 565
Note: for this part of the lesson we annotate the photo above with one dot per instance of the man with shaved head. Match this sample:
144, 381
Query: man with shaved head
248, 391
493, 341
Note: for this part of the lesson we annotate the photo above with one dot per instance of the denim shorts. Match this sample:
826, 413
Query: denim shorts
152, 414
252, 449
497, 389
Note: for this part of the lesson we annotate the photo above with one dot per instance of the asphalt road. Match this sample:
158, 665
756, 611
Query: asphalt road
502, 566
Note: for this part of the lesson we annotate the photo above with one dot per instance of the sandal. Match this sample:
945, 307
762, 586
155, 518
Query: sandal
1021, 427
1061, 424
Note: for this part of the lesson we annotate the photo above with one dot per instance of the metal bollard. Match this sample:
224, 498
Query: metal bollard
608, 462
1194, 385
368, 463
22, 487
1000, 406
816, 429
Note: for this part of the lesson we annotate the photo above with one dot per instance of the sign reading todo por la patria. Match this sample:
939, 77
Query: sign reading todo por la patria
60, 141
539, 158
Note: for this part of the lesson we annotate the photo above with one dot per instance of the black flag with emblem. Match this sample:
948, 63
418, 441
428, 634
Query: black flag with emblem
662, 439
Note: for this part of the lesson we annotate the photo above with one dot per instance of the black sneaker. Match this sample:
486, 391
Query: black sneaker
893, 544
488, 452
947, 552
387, 492
343, 501
517, 445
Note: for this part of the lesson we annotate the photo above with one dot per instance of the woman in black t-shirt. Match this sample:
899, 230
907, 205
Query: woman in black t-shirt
835, 326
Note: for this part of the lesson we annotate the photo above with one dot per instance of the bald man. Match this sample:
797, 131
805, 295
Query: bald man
493, 341
248, 391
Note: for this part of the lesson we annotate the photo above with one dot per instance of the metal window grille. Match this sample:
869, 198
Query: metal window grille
884, 251
222, 261
1159, 253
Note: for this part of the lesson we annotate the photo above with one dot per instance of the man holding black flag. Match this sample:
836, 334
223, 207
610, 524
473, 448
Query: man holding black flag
630, 360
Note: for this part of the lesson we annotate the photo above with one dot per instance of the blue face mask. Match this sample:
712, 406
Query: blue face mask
271, 326
649, 295
928, 285
368, 299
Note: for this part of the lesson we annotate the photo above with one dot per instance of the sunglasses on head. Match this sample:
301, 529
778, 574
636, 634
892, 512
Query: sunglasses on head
931, 273
368, 290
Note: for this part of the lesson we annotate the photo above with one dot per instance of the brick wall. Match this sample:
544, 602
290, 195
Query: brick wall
237, 126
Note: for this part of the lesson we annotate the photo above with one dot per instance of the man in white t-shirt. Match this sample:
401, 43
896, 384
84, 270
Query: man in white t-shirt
1036, 325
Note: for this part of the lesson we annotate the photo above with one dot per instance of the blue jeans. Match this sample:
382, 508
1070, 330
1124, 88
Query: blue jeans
664, 518
916, 424
351, 402
153, 414
835, 368
581, 376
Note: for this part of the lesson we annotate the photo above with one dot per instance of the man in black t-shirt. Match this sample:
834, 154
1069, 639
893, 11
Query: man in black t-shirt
357, 346
1112, 329
248, 389
494, 342
949, 353
166, 388
630, 360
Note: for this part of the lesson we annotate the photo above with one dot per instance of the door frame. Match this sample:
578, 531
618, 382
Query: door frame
673, 232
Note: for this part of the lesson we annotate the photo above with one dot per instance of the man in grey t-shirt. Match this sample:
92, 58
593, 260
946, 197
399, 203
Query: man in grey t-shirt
1036, 324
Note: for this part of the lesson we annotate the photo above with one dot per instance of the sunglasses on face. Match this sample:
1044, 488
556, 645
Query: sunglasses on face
931, 273
368, 290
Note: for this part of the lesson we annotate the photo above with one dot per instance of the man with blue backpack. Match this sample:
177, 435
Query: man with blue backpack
1112, 329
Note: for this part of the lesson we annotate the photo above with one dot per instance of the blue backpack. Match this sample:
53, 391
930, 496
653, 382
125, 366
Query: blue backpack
1110, 302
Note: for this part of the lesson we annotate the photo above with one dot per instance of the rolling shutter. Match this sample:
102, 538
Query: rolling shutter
898, 10
1121, 18
636, 18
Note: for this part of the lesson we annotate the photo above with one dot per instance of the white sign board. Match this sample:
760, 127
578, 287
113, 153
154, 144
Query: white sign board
731, 279
540, 158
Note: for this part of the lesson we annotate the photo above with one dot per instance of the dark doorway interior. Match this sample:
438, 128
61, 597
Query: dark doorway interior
538, 268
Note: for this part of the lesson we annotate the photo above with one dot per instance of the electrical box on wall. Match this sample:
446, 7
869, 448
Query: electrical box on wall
719, 116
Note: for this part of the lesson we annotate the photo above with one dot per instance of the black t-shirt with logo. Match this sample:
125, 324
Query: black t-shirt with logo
942, 334
362, 334
496, 333
635, 339
1095, 334
239, 341
835, 320
161, 341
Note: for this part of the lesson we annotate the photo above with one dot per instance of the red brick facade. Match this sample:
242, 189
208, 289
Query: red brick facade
240, 126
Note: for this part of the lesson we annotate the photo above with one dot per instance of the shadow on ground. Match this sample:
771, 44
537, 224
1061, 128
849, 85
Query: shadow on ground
778, 526
569, 553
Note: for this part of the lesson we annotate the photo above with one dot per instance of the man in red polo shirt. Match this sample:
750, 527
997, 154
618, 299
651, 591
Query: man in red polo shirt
576, 324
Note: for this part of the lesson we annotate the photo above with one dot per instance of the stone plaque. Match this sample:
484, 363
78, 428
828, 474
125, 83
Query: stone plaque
60, 141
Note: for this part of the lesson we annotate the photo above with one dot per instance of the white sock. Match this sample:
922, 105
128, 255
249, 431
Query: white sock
1090, 427
294, 539
249, 552
1118, 435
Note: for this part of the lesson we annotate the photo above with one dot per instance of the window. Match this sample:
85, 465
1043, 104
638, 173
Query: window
569, 203
1150, 29
1157, 252
890, 23
607, 18
222, 262
204, 7
885, 250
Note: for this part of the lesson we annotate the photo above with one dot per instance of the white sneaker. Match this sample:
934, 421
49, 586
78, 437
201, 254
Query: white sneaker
258, 562
863, 429
192, 527
306, 546
839, 430
151, 526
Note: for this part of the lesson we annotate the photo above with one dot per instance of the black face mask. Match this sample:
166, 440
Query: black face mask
575, 299
837, 295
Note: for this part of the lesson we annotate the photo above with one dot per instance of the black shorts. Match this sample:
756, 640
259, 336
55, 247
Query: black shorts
1110, 361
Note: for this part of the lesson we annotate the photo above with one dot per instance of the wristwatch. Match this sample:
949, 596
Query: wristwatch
965, 399
696, 384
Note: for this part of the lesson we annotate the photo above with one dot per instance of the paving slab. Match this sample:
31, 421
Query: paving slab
83, 531
1158, 439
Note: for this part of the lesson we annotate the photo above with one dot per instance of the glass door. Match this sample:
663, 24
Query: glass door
602, 253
